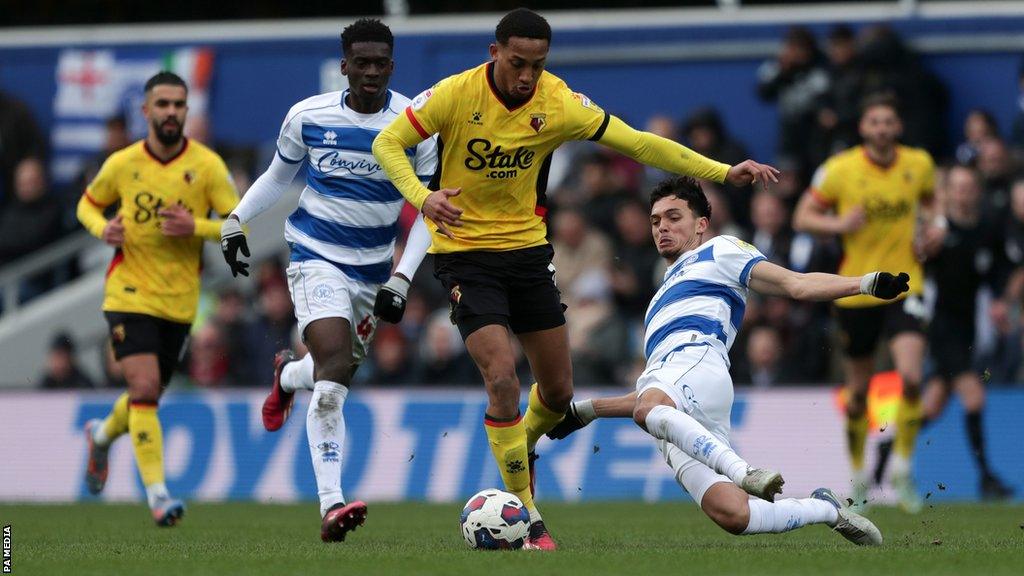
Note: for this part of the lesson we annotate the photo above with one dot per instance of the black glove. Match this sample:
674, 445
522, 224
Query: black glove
571, 423
390, 303
884, 285
232, 239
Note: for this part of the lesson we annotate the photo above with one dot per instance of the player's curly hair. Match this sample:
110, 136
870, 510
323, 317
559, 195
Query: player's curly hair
366, 30
524, 23
684, 188
165, 78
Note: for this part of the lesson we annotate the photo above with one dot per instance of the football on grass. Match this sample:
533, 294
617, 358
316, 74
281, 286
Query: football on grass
495, 520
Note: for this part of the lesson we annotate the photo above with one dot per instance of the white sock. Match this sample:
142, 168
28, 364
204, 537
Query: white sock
156, 492
298, 375
788, 514
690, 436
99, 438
325, 429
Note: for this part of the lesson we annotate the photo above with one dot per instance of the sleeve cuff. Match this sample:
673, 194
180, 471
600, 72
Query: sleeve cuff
745, 274
287, 159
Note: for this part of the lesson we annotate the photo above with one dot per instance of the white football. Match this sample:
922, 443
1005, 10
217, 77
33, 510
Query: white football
495, 520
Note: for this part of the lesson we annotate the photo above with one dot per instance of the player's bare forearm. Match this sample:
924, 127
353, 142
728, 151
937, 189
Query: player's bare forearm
615, 406
583, 412
774, 280
821, 286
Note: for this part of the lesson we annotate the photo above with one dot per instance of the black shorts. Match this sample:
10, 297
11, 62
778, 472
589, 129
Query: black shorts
860, 329
132, 333
515, 288
951, 345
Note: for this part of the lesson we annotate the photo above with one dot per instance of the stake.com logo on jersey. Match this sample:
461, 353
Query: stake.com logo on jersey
501, 164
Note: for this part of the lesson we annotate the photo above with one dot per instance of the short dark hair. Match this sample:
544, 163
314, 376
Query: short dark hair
366, 30
165, 77
524, 23
886, 98
684, 188
802, 37
841, 33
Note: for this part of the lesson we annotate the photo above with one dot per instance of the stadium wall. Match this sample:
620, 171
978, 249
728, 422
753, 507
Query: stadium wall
635, 65
429, 445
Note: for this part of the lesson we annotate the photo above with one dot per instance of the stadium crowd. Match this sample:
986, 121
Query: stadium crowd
607, 267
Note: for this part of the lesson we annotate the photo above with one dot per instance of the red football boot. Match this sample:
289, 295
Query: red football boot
341, 519
539, 538
278, 404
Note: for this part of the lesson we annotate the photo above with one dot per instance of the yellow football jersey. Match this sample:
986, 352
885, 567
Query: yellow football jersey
499, 156
890, 196
151, 273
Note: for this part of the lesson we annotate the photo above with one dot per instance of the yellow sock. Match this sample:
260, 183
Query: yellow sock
116, 423
147, 439
908, 424
856, 438
539, 418
508, 444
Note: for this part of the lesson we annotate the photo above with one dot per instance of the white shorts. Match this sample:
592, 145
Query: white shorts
697, 379
320, 290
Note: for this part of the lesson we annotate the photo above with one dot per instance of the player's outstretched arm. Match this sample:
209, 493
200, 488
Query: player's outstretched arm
665, 154
774, 280
584, 412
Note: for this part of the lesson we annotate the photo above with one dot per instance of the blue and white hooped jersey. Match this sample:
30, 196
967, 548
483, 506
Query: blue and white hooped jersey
348, 211
702, 299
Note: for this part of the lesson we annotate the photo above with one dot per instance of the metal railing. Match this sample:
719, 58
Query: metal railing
43, 260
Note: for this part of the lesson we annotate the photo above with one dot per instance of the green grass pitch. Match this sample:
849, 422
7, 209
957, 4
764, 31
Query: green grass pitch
594, 538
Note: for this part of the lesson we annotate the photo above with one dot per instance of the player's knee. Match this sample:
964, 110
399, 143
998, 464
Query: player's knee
640, 413
973, 401
735, 522
502, 388
732, 516
144, 389
558, 399
335, 368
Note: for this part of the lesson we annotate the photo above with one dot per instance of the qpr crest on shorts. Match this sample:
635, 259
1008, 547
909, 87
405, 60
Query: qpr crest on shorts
323, 293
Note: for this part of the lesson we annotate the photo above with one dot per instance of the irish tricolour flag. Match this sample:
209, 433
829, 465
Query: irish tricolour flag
95, 85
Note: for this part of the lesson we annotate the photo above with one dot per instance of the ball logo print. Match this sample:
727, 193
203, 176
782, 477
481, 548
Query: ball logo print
495, 520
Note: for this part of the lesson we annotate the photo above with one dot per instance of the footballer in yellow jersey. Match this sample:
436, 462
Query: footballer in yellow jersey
497, 125
154, 273
888, 196
874, 197
166, 186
